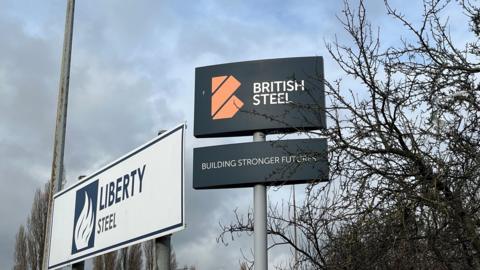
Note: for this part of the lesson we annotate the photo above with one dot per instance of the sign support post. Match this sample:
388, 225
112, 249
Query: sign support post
162, 252
295, 266
260, 219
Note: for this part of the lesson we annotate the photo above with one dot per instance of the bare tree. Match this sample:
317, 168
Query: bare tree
98, 263
21, 255
122, 259
30, 239
36, 228
245, 266
135, 257
149, 253
106, 261
129, 258
109, 260
173, 260
403, 151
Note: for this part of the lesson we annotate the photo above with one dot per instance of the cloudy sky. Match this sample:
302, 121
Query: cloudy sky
132, 74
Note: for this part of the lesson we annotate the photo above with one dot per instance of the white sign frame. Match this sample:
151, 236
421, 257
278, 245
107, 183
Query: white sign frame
161, 184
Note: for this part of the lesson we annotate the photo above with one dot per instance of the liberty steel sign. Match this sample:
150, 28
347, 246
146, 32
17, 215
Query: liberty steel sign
271, 162
137, 197
267, 95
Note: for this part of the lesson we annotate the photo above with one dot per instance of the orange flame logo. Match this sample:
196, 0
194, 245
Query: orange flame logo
224, 104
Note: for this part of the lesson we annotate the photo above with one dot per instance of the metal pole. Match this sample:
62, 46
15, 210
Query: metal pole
162, 246
162, 253
61, 122
295, 227
260, 219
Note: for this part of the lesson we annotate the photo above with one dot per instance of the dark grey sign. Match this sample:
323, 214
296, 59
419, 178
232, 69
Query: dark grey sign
272, 163
238, 99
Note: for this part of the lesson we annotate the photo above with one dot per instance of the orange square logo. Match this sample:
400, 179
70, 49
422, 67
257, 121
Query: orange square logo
224, 103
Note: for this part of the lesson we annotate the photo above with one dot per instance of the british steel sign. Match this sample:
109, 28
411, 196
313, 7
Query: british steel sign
137, 197
271, 163
266, 95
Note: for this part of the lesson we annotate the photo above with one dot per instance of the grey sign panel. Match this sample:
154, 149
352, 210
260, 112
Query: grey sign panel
271, 162
237, 99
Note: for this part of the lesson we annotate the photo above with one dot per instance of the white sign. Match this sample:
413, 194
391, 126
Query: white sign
138, 197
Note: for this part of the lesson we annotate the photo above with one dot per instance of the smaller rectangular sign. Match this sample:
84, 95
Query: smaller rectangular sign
272, 162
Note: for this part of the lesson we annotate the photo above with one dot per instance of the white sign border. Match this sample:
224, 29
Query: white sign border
139, 239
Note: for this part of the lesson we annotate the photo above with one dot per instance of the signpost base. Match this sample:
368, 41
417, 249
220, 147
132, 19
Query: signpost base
260, 219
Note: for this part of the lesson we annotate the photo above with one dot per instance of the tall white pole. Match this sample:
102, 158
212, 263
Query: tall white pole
260, 219
60, 126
